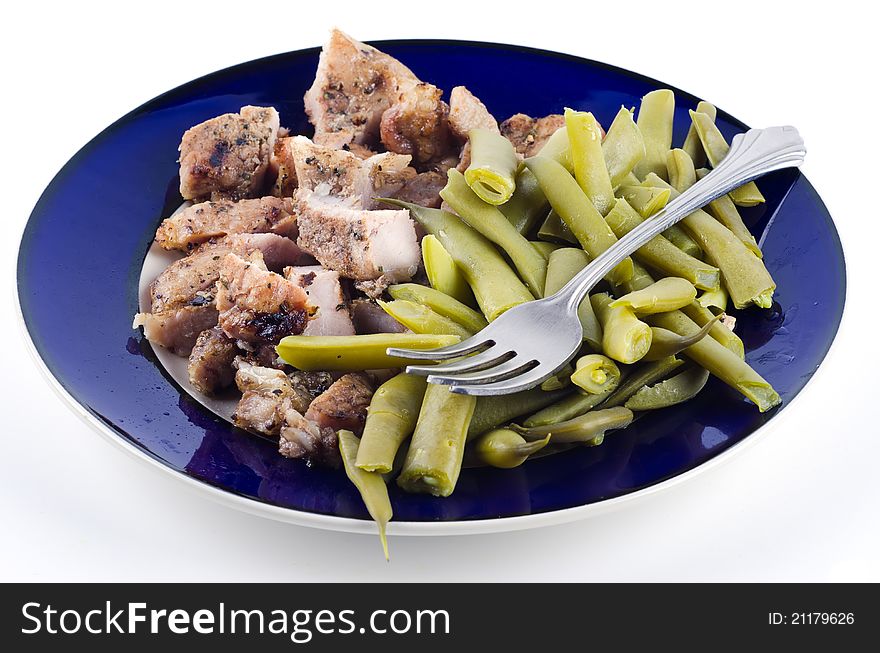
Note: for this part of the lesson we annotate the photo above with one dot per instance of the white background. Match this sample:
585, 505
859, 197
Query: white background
802, 504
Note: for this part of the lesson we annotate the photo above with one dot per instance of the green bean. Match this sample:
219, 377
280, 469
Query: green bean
596, 374
545, 248
492, 171
668, 294
585, 138
680, 168
558, 148
645, 375
625, 338
421, 319
589, 428
433, 461
576, 210
443, 273
495, 411
496, 287
724, 210
692, 144
714, 300
505, 448
678, 237
655, 123
675, 390
391, 419
647, 201
720, 361
743, 274
371, 486
527, 205
719, 331
659, 253
623, 147
554, 230
441, 303
570, 407
716, 148
563, 265
666, 343
362, 352
630, 180
492, 224
560, 380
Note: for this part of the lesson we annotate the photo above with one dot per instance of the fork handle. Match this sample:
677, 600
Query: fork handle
752, 154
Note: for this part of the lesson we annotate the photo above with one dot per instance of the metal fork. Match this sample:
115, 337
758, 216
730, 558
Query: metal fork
533, 341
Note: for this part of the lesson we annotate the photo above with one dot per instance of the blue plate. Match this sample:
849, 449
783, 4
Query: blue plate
95, 221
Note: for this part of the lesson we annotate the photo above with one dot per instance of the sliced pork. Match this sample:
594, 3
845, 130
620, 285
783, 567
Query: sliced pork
331, 316
344, 404
418, 125
423, 189
210, 363
528, 134
358, 244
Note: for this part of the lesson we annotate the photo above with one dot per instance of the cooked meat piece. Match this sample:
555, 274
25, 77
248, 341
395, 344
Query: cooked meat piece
423, 189
528, 134
310, 384
257, 305
418, 125
263, 391
182, 297
354, 85
260, 354
210, 363
356, 243
466, 112
325, 295
368, 317
302, 438
228, 155
344, 404
374, 288
359, 150
207, 220
341, 173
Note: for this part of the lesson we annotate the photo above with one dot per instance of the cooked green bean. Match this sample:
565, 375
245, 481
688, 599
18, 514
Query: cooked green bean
558, 148
668, 294
641, 279
421, 319
724, 210
623, 147
644, 375
492, 171
716, 148
714, 300
678, 237
443, 273
554, 230
495, 411
527, 205
743, 274
596, 374
585, 138
647, 201
680, 168
659, 253
675, 390
655, 123
560, 380
576, 403
505, 448
719, 331
576, 210
665, 343
441, 303
362, 352
589, 428
371, 485
496, 286
692, 144
720, 361
545, 248
391, 419
492, 224
563, 265
433, 461
625, 338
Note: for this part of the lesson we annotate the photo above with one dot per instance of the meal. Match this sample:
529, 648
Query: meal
406, 221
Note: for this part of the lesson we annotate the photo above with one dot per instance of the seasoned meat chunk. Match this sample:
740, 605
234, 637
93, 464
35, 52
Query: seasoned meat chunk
228, 156
302, 438
257, 305
210, 363
177, 328
354, 85
423, 189
326, 298
418, 125
358, 244
528, 134
466, 112
208, 220
344, 404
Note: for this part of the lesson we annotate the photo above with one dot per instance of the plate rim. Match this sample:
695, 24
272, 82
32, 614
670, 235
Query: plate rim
322, 521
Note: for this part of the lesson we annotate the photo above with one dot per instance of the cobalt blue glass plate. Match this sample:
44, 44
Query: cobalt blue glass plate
94, 223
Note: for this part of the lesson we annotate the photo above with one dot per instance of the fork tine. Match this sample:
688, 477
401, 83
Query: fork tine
505, 370
462, 348
481, 361
513, 384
